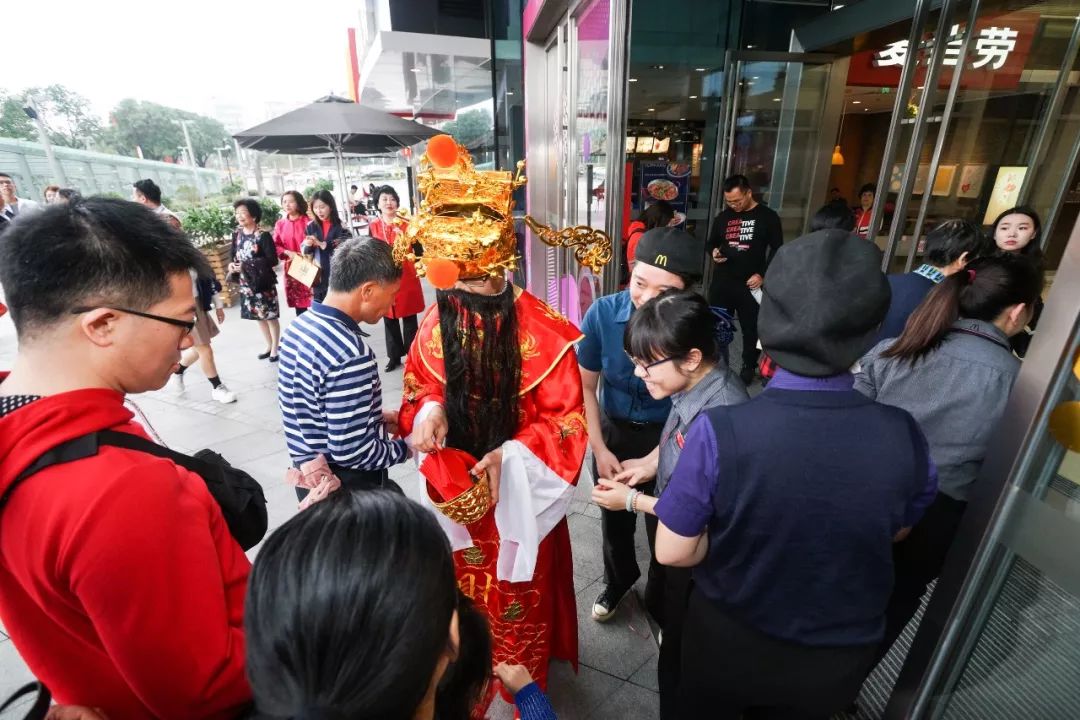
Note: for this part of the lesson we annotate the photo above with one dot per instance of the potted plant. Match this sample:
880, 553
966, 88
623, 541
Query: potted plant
210, 228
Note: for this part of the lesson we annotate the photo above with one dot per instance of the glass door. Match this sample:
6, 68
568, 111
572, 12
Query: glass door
778, 130
1000, 637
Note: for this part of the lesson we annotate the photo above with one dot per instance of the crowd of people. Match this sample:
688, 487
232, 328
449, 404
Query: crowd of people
779, 576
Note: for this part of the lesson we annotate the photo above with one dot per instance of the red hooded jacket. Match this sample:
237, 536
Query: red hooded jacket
119, 582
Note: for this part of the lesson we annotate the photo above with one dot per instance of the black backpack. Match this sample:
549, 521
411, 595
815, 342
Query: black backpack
238, 494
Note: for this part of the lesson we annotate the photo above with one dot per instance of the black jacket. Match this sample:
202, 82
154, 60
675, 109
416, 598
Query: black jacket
337, 235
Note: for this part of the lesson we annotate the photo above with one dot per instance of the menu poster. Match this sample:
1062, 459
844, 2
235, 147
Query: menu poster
664, 180
972, 178
943, 181
1006, 192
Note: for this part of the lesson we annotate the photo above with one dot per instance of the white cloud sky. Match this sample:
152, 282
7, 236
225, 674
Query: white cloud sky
190, 54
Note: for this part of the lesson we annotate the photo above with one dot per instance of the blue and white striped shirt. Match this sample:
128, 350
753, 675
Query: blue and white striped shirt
330, 394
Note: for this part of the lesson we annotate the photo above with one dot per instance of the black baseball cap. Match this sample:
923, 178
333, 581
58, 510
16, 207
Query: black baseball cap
671, 249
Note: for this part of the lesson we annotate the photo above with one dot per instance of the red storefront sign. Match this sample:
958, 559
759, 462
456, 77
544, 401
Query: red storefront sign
996, 61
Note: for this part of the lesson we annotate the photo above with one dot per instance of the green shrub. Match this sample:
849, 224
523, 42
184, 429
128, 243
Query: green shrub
209, 224
324, 184
271, 212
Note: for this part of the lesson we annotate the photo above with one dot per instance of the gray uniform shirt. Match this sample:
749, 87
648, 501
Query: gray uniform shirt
720, 387
957, 394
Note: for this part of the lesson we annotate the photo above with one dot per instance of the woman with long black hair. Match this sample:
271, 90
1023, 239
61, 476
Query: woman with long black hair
953, 370
324, 234
1018, 231
353, 610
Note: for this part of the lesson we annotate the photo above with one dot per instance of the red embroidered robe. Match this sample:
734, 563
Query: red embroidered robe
515, 563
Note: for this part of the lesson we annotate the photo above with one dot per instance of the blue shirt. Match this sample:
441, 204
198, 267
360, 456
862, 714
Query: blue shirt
908, 292
330, 394
622, 395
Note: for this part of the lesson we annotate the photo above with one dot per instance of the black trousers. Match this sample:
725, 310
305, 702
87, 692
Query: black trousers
627, 440
917, 560
359, 480
676, 584
732, 671
738, 301
396, 345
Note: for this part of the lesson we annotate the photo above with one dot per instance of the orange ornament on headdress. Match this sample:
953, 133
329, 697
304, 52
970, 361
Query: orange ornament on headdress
465, 221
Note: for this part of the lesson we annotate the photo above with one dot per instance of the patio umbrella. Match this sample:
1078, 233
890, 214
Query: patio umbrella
335, 126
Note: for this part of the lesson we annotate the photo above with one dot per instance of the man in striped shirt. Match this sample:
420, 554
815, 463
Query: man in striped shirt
328, 383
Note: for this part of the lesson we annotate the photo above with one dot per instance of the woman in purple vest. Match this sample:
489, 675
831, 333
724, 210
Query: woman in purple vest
678, 345
787, 505
952, 369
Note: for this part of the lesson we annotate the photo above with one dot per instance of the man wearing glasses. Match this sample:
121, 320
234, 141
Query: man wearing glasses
629, 419
120, 584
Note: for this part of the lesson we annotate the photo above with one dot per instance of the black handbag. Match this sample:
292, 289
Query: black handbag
240, 496
42, 700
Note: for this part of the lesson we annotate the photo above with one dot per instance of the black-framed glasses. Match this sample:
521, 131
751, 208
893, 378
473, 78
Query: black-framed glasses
188, 325
646, 367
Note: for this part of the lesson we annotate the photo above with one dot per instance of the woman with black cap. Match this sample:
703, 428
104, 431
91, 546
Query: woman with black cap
630, 420
787, 505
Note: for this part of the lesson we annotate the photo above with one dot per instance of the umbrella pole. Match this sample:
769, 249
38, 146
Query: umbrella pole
343, 210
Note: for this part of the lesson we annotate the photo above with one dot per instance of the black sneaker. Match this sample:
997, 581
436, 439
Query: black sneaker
606, 603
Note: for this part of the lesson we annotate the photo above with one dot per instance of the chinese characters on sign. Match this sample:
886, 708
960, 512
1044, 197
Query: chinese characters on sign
992, 48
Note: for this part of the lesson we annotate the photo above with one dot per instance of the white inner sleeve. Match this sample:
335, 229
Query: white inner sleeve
533, 498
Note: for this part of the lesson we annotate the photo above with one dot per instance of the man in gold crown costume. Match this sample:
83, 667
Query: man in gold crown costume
493, 372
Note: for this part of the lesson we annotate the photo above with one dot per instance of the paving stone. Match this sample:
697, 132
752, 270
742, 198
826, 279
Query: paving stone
628, 701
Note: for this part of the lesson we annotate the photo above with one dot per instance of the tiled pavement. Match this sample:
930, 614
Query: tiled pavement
617, 677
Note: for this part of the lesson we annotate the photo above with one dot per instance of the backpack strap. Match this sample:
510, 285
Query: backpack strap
40, 708
77, 449
88, 445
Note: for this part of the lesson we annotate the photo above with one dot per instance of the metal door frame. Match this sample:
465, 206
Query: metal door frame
734, 61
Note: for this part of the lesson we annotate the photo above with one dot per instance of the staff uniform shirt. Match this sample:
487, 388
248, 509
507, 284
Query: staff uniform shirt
622, 395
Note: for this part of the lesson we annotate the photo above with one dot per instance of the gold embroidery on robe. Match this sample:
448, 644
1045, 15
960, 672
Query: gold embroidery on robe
569, 425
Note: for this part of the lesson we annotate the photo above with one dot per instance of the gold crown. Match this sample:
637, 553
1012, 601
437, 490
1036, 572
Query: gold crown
465, 221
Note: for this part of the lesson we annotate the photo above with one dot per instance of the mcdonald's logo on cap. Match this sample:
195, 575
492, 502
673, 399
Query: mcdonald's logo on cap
661, 261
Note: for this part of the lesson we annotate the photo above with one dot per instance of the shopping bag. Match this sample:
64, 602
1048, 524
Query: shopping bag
304, 270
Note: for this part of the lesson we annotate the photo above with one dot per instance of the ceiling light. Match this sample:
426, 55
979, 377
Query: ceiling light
920, 87
682, 119
856, 102
866, 109
693, 97
633, 79
509, 92
750, 47
776, 99
755, 77
417, 69
652, 109
700, 69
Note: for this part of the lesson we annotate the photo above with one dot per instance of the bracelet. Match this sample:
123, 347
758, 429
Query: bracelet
631, 500
634, 503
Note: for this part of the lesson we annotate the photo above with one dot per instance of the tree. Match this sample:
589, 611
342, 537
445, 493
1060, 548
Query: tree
66, 114
472, 129
13, 121
155, 129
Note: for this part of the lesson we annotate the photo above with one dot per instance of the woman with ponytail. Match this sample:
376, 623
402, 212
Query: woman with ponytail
952, 368
678, 346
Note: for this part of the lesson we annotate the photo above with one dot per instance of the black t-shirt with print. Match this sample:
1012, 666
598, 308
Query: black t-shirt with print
748, 240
